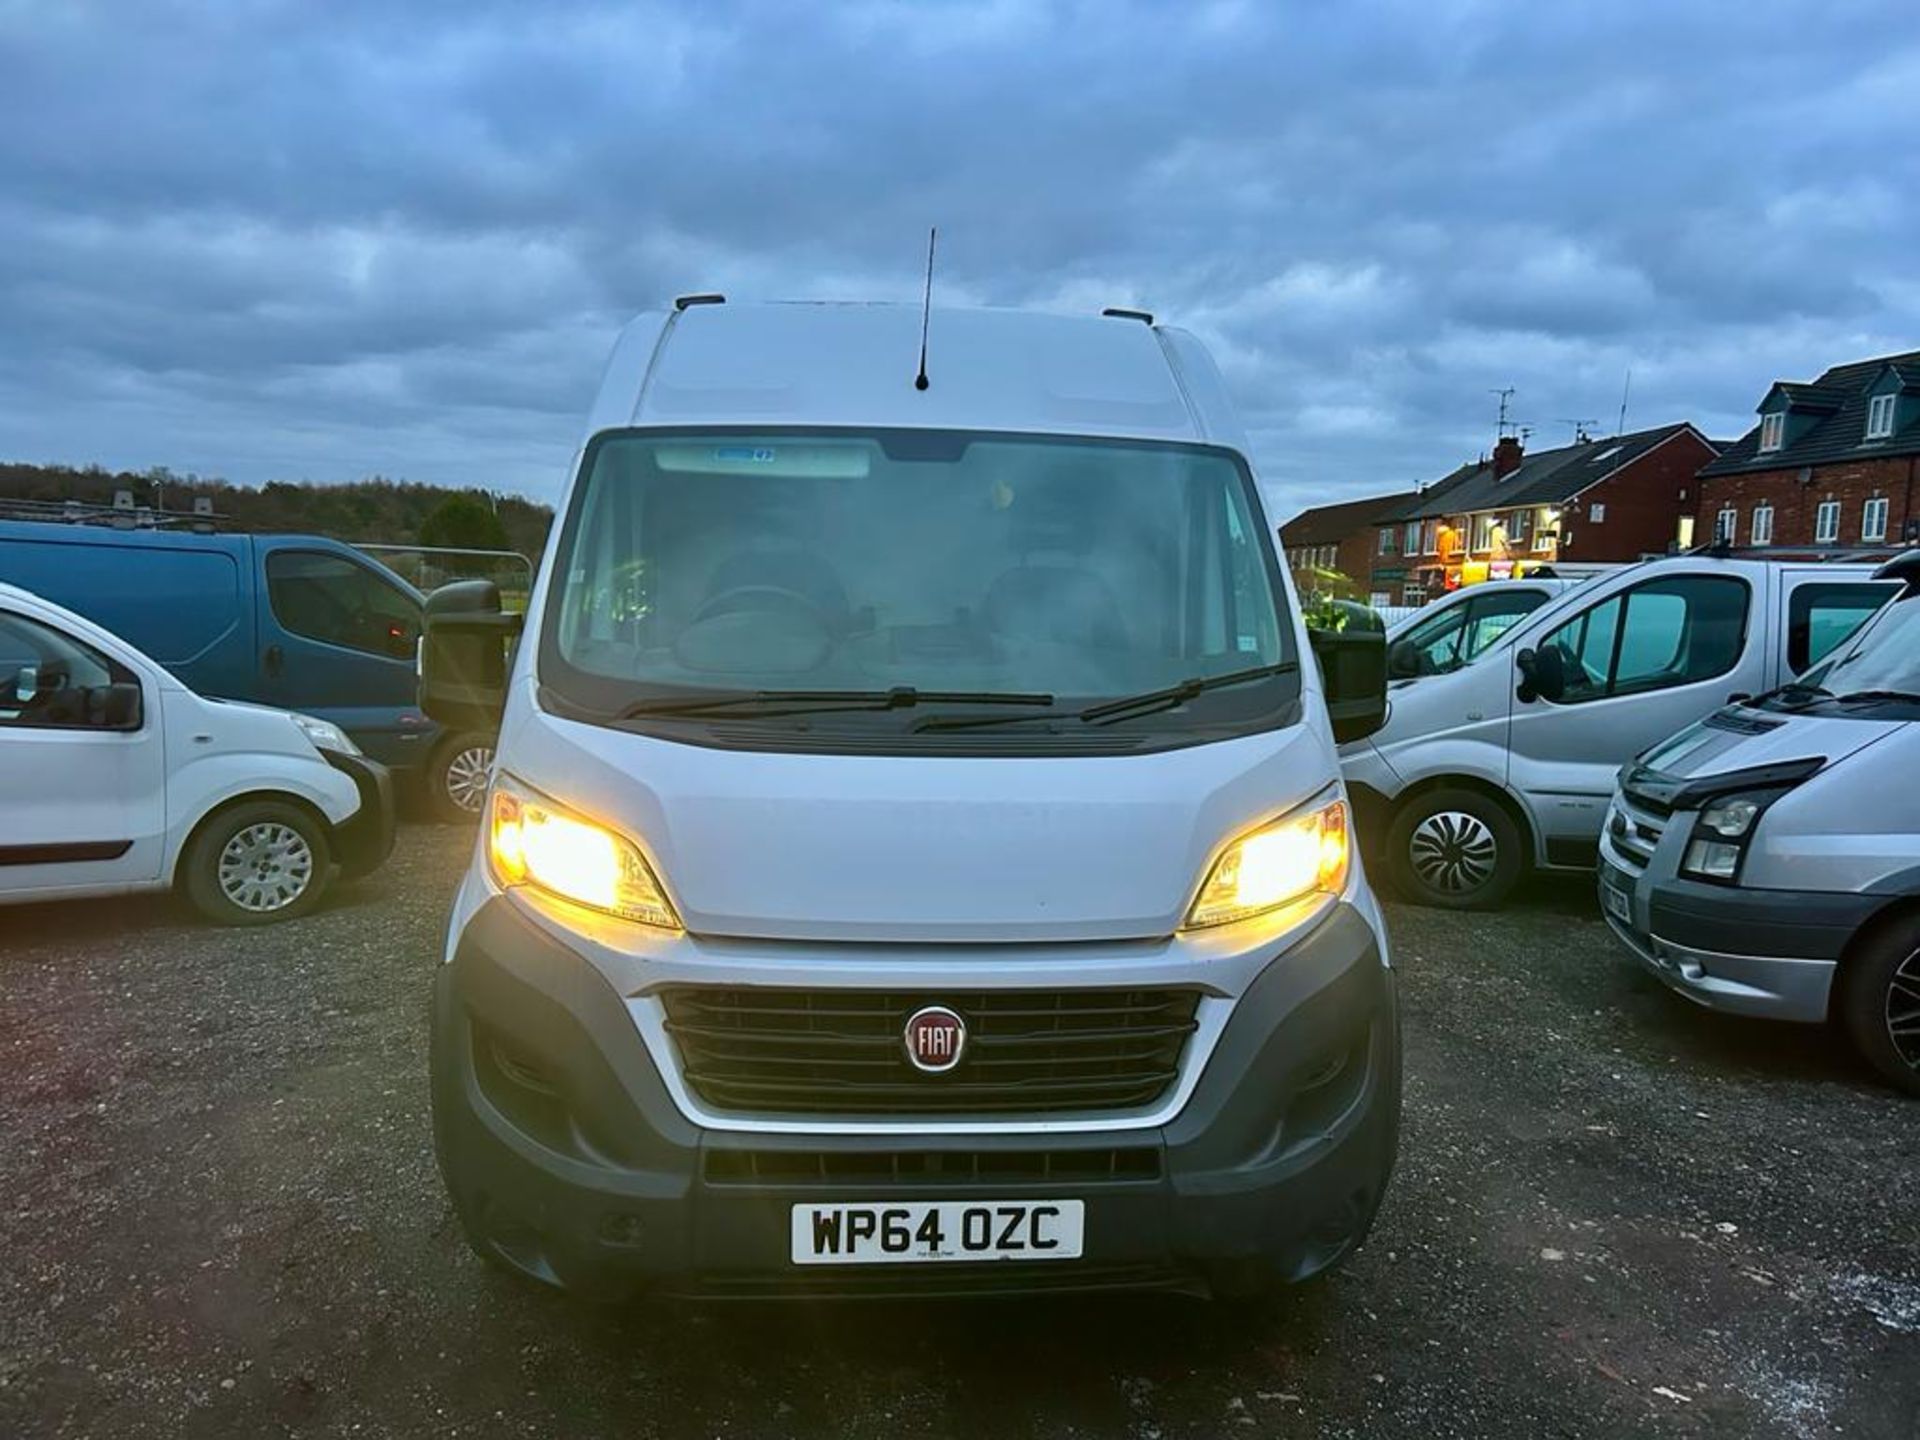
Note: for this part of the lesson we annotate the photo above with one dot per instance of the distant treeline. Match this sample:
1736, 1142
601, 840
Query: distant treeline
369, 511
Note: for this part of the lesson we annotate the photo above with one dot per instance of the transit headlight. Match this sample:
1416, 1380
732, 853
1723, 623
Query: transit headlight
1275, 865
534, 841
1722, 833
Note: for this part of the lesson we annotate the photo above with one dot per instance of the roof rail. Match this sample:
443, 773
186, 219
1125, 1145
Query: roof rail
687, 302
114, 517
1120, 312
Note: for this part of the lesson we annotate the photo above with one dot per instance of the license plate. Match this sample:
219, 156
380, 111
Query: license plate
1617, 904
935, 1230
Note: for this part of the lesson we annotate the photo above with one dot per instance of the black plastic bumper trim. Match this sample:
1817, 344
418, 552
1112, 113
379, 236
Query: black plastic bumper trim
1783, 924
364, 839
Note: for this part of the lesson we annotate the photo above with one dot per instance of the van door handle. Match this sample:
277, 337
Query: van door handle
272, 659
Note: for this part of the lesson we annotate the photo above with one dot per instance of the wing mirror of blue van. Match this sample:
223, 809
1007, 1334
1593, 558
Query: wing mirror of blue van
464, 646
1543, 675
1403, 660
1353, 671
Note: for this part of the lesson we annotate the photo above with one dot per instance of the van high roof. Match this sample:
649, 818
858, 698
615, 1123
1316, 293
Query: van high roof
814, 363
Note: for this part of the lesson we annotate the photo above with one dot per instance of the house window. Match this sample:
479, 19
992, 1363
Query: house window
1826, 522
1773, 430
1430, 538
1380, 599
1873, 520
1410, 543
1483, 532
1519, 526
1880, 417
1597, 511
1386, 540
1763, 524
1727, 524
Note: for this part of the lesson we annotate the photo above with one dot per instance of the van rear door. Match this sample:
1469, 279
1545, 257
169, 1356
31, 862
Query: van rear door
337, 636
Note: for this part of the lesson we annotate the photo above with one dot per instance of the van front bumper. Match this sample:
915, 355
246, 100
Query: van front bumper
568, 1160
1766, 953
362, 842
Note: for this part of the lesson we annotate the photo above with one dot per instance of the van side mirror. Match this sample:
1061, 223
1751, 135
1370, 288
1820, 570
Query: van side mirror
1353, 670
1543, 675
464, 645
1403, 660
117, 707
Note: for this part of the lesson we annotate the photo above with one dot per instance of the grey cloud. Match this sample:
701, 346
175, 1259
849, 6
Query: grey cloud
284, 239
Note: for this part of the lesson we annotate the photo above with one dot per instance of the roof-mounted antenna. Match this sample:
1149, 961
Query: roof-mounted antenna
1625, 391
920, 381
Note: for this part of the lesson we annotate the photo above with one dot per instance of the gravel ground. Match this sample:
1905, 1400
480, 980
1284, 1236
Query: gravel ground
1613, 1214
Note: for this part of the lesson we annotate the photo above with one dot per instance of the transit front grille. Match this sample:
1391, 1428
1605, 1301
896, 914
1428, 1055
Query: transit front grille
1635, 834
842, 1052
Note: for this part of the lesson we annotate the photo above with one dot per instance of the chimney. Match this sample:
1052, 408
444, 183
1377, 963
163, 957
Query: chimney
1506, 456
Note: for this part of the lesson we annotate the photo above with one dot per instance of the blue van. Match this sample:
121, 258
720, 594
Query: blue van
294, 621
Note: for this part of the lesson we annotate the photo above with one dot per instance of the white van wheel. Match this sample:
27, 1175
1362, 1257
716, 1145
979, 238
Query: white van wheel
1457, 849
256, 863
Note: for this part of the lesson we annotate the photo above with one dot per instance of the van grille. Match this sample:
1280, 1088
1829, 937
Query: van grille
841, 1168
842, 1052
1635, 834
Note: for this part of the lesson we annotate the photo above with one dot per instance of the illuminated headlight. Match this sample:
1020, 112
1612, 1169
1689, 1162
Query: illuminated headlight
533, 841
1275, 865
325, 735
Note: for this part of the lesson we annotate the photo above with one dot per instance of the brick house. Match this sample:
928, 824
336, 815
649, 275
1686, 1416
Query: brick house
1330, 547
1595, 501
1830, 466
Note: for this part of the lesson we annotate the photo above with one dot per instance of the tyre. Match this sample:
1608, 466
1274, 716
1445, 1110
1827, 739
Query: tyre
1880, 1002
258, 862
457, 779
1457, 849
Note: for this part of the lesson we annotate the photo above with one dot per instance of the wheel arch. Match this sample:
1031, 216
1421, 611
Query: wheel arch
221, 807
1899, 910
1499, 794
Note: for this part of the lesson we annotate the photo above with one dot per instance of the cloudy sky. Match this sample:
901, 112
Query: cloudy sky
296, 240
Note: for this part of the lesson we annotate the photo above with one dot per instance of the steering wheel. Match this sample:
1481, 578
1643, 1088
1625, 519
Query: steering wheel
748, 598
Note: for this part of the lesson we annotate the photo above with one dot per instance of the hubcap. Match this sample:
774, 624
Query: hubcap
1903, 1010
1453, 851
466, 777
266, 867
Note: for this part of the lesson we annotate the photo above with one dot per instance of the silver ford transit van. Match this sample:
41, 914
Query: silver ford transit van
1766, 861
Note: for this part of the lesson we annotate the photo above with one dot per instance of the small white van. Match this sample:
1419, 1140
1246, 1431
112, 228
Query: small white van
116, 778
1506, 763
1766, 861
916, 857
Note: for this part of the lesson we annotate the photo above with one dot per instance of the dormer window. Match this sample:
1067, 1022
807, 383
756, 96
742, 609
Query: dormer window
1773, 430
1880, 417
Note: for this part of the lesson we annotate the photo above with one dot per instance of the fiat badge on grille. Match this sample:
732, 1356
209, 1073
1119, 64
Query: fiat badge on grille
934, 1037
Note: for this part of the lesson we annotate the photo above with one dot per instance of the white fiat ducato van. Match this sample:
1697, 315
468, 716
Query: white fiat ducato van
916, 856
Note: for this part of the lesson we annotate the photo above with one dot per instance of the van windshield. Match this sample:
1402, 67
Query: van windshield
974, 567
1884, 662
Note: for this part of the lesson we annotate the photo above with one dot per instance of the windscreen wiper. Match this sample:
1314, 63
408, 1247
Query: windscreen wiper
1793, 692
1124, 708
1149, 701
1864, 696
808, 702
